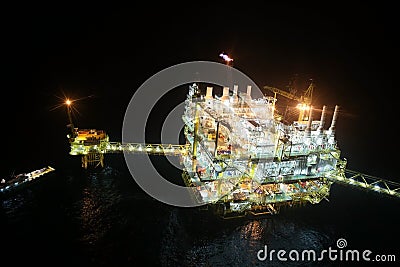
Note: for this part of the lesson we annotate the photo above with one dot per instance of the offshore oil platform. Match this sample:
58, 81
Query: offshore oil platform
242, 157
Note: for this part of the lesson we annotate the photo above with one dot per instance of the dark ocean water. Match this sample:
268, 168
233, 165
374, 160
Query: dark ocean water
100, 217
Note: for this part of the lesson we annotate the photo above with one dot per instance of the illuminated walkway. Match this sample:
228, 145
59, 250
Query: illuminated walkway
158, 149
366, 181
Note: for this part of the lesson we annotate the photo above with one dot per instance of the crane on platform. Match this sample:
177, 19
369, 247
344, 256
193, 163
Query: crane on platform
304, 100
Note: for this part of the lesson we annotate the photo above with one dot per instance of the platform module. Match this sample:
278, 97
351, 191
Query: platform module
245, 159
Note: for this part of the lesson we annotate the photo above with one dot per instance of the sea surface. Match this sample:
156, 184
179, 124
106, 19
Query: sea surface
101, 217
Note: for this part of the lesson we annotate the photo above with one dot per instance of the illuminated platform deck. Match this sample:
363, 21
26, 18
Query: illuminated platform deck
241, 158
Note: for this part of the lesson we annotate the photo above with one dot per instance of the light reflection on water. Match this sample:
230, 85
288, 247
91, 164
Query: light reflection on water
102, 218
98, 204
235, 243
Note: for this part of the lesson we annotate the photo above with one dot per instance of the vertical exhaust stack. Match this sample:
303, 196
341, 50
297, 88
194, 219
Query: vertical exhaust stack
309, 122
235, 97
334, 119
248, 94
209, 93
225, 94
322, 121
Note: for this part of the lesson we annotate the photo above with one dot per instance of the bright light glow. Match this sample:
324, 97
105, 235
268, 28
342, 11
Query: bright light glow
226, 57
303, 107
68, 102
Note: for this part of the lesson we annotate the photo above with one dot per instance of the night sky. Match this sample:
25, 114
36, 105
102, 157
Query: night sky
103, 53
